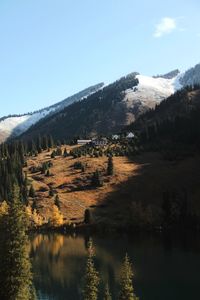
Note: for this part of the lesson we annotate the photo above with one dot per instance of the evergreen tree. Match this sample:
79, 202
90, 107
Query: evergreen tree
58, 151
126, 282
83, 168
110, 166
51, 192
24, 190
15, 275
87, 216
48, 173
33, 147
34, 205
97, 180
53, 154
32, 191
65, 152
45, 142
44, 168
50, 142
91, 279
39, 144
57, 201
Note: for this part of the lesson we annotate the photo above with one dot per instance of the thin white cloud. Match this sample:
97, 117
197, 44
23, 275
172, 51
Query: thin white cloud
165, 26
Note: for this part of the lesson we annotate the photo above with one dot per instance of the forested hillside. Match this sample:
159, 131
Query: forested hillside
13, 125
175, 122
103, 112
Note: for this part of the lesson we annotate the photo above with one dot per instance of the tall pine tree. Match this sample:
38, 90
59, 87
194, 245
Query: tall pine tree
110, 166
15, 276
91, 280
126, 281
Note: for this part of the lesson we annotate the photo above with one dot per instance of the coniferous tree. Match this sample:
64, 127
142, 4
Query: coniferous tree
24, 190
97, 180
34, 205
87, 216
33, 148
39, 144
45, 142
57, 201
65, 152
12, 160
126, 281
48, 173
15, 275
53, 154
110, 166
32, 191
50, 142
51, 191
91, 279
58, 151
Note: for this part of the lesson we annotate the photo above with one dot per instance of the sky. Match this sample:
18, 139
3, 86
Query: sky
51, 49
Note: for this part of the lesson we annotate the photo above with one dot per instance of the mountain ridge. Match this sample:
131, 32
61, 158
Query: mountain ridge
135, 99
14, 125
108, 110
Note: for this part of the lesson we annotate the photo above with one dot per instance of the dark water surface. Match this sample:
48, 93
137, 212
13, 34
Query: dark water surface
165, 267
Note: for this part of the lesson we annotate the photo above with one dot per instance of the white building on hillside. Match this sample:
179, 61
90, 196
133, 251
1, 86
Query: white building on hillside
83, 142
100, 141
115, 137
130, 135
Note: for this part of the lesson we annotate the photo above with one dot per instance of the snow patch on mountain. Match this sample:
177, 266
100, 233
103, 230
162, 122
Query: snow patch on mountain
15, 125
151, 90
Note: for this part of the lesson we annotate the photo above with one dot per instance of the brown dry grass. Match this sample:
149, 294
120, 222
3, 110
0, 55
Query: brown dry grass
144, 179
73, 186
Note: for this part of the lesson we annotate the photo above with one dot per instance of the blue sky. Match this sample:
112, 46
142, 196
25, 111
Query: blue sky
50, 49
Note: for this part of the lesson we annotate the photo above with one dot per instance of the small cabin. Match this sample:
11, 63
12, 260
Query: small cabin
130, 135
115, 137
100, 141
83, 142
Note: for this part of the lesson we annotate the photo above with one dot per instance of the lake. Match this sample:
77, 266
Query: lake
165, 267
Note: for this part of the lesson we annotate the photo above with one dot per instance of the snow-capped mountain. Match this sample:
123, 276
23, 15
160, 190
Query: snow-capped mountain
13, 126
151, 91
144, 93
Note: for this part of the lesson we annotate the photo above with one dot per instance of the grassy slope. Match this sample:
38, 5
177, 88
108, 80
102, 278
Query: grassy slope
144, 178
73, 186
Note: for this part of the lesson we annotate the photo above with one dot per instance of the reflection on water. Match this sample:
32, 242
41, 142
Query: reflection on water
164, 267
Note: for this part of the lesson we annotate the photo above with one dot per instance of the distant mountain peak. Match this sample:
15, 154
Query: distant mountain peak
169, 75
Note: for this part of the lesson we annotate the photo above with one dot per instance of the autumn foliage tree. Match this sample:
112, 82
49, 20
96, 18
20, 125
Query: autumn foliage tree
56, 218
